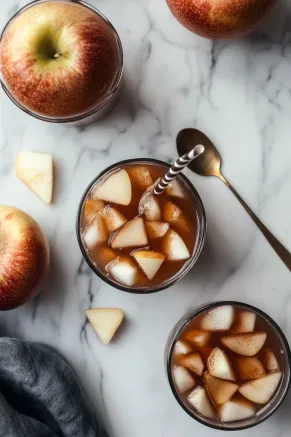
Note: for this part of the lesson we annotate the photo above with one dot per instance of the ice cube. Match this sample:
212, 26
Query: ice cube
141, 176
183, 380
174, 215
150, 207
92, 207
175, 189
123, 270
219, 365
198, 337
244, 322
236, 409
218, 319
271, 361
181, 348
95, 233
156, 229
198, 399
193, 362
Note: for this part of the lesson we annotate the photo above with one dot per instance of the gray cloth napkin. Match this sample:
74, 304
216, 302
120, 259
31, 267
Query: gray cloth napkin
40, 395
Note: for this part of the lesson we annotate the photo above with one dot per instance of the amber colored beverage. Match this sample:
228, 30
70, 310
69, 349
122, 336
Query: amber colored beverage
145, 259
229, 366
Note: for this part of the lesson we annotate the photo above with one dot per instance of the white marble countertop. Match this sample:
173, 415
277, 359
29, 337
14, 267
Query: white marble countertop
239, 93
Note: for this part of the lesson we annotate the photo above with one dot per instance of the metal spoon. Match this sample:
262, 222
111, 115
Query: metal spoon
209, 164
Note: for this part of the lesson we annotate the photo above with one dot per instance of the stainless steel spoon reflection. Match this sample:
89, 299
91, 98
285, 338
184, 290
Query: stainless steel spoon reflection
209, 164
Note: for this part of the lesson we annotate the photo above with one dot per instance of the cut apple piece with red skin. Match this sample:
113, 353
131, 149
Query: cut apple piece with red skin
182, 348
220, 366
174, 215
184, 381
174, 247
218, 319
123, 270
151, 208
261, 390
236, 409
270, 360
244, 322
248, 344
113, 218
115, 189
219, 391
132, 234
156, 229
198, 337
149, 261
141, 176
249, 368
193, 362
199, 400
92, 207
96, 233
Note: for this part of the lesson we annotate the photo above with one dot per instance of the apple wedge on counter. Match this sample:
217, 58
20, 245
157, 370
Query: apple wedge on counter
36, 171
105, 321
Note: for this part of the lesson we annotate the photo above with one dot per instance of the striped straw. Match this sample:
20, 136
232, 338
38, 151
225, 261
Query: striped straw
177, 167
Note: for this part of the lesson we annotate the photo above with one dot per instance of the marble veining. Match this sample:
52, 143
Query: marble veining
239, 93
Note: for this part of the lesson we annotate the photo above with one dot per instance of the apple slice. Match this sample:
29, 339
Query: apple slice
245, 344
174, 189
156, 229
218, 319
174, 215
183, 380
132, 234
116, 189
123, 270
218, 390
174, 247
193, 362
92, 207
149, 261
141, 176
249, 368
261, 390
236, 409
198, 399
198, 337
219, 365
182, 348
36, 171
105, 321
113, 218
151, 208
270, 360
96, 233
245, 322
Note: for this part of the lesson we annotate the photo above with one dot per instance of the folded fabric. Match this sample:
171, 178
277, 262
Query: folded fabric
40, 395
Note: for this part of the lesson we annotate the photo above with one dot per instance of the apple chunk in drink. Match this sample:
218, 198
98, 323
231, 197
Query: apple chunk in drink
245, 371
150, 249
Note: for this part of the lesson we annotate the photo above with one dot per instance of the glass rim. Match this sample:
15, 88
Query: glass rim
182, 272
88, 112
201, 309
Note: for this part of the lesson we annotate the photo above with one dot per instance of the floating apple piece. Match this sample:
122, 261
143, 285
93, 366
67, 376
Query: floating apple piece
198, 399
270, 360
245, 322
224, 19
36, 171
156, 229
193, 362
96, 233
149, 261
249, 368
123, 270
198, 337
174, 215
183, 379
245, 344
181, 348
105, 321
218, 319
132, 234
261, 390
219, 365
24, 257
116, 189
219, 391
174, 247
113, 218
236, 409
141, 176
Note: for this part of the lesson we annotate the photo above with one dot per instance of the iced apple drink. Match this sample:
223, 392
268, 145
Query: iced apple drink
133, 249
227, 364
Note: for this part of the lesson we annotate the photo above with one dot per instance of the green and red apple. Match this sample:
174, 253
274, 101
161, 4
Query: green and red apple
24, 257
221, 19
59, 58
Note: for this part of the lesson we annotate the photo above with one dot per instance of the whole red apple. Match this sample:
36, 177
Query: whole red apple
220, 19
59, 58
24, 257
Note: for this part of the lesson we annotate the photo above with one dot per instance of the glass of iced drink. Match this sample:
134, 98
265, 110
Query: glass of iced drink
133, 251
228, 365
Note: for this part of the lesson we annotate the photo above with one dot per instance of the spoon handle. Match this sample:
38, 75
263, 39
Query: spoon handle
281, 251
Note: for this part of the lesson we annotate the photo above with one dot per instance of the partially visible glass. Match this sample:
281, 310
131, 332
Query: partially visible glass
267, 410
101, 107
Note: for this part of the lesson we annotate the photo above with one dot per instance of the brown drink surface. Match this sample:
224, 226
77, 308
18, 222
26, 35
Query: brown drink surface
168, 268
272, 343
